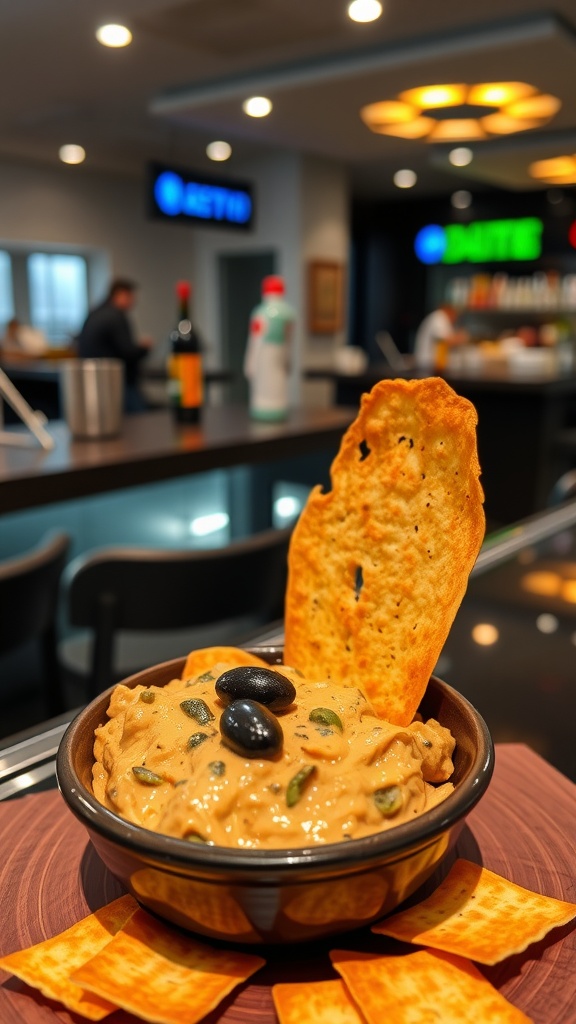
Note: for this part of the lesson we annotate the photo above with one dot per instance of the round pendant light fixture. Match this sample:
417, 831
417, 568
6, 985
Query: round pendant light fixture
460, 112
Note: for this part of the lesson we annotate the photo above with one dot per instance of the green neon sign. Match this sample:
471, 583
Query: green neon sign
481, 241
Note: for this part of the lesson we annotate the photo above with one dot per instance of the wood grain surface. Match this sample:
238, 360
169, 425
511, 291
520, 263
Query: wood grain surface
524, 828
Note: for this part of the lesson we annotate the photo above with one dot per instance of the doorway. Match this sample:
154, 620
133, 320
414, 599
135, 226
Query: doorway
240, 280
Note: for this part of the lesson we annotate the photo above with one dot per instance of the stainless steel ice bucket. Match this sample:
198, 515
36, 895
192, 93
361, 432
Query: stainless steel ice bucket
92, 396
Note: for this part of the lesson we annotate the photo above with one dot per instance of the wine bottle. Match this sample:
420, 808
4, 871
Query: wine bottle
185, 384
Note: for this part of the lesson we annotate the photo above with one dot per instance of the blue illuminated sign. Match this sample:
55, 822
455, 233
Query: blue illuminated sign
184, 196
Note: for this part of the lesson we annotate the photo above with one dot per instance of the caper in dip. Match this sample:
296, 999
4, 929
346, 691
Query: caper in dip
332, 770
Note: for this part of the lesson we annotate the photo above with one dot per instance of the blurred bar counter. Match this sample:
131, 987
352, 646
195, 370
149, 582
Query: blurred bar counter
152, 447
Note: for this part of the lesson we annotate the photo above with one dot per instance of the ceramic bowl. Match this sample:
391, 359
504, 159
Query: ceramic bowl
249, 896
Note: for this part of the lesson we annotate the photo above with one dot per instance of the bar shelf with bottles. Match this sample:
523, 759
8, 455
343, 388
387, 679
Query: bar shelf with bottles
542, 292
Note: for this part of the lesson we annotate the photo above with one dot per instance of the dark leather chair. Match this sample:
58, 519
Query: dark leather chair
28, 602
119, 589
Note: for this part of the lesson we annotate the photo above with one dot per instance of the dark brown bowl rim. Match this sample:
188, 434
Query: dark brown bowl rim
176, 853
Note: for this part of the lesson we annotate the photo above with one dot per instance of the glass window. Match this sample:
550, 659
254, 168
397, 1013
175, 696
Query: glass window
6, 290
58, 288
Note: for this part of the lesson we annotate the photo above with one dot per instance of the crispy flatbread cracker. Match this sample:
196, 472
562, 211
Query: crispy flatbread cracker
162, 975
379, 565
423, 987
478, 914
205, 658
315, 1002
48, 965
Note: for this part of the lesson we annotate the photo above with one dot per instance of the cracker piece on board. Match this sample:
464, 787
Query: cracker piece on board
378, 566
422, 987
194, 903
315, 1002
205, 658
315, 905
478, 914
47, 966
162, 975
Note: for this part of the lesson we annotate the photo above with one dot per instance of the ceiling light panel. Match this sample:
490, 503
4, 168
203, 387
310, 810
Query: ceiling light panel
456, 130
388, 112
503, 124
430, 96
543, 105
497, 94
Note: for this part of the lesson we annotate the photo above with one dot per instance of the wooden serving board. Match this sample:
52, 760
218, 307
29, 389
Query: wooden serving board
524, 828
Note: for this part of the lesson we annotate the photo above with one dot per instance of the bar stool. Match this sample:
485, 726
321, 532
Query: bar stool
238, 588
28, 602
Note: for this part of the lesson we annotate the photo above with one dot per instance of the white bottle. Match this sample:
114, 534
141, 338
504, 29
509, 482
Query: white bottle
266, 364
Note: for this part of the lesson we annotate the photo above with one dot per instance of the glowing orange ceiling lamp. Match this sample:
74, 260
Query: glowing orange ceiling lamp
559, 170
456, 112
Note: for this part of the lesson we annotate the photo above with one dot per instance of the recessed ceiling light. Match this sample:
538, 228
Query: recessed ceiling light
545, 584
405, 178
364, 10
257, 106
219, 150
461, 199
547, 623
461, 156
485, 634
72, 154
114, 35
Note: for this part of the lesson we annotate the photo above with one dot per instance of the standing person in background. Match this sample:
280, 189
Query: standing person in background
108, 334
435, 336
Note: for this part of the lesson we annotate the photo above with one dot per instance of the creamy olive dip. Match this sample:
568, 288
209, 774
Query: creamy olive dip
339, 772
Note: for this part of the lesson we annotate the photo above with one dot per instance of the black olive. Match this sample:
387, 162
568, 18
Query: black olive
260, 684
250, 729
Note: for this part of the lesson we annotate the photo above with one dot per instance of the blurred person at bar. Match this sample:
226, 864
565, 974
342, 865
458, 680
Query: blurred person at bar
108, 333
435, 335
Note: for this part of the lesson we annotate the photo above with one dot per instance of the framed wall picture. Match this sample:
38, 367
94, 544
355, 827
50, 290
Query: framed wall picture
325, 297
